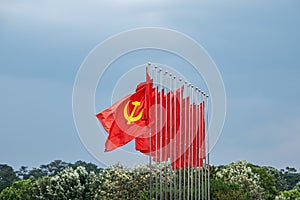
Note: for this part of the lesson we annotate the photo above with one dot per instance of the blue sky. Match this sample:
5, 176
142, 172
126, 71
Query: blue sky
255, 45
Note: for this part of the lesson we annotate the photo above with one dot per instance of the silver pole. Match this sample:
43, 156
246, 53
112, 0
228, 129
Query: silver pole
166, 126
189, 142
197, 141
150, 156
170, 106
185, 138
202, 148
175, 137
208, 153
180, 138
192, 139
160, 128
156, 129
205, 167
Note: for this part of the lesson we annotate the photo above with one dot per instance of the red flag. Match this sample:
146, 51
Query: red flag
127, 118
202, 146
181, 148
165, 134
193, 150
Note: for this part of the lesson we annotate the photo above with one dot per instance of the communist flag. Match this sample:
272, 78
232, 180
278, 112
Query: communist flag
127, 118
156, 124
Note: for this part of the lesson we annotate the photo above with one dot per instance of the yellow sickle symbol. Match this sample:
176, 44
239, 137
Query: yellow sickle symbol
131, 118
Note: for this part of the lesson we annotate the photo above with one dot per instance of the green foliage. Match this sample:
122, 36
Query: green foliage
280, 181
297, 186
81, 180
7, 176
267, 181
89, 167
19, 190
221, 190
289, 195
241, 174
292, 179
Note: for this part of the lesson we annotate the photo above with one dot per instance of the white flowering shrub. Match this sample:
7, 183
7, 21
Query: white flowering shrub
68, 184
118, 182
239, 173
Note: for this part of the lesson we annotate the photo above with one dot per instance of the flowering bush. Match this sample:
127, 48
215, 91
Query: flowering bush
239, 173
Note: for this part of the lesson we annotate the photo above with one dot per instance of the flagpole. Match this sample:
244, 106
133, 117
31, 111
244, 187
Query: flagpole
180, 139
192, 139
160, 137
149, 131
164, 82
202, 147
185, 138
204, 166
171, 132
197, 141
175, 136
189, 142
166, 131
208, 152
156, 129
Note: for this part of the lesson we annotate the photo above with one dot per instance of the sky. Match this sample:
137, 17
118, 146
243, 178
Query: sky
255, 45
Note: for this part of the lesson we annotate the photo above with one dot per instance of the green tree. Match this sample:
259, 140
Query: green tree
289, 195
241, 174
89, 167
54, 167
7, 176
297, 186
221, 190
267, 181
19, 190
280, 181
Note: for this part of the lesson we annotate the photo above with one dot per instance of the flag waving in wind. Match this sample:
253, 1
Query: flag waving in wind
127, 118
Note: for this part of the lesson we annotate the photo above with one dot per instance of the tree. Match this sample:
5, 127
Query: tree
280, 181
19, 190
89, 167
239, 173
54, 167
289, 195
23, 172
267, 181
221, 190
297, 186
67, 184
7, 176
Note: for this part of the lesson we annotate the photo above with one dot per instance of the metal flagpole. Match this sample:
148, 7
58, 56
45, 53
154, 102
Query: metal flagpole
199, 145
197, 141
175, 136
205, 178
208, 151
192, 139
185, 137
156, 129
165, 125
180, 137
189, 143
202, 147
149, 130
160, 138
171, 133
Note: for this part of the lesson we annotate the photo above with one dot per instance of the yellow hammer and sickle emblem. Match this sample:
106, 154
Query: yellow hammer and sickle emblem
131, 118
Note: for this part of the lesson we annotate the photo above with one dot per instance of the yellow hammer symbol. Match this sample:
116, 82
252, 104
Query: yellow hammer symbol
131, 118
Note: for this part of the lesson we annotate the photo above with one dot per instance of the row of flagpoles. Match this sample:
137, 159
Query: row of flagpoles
167, 117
